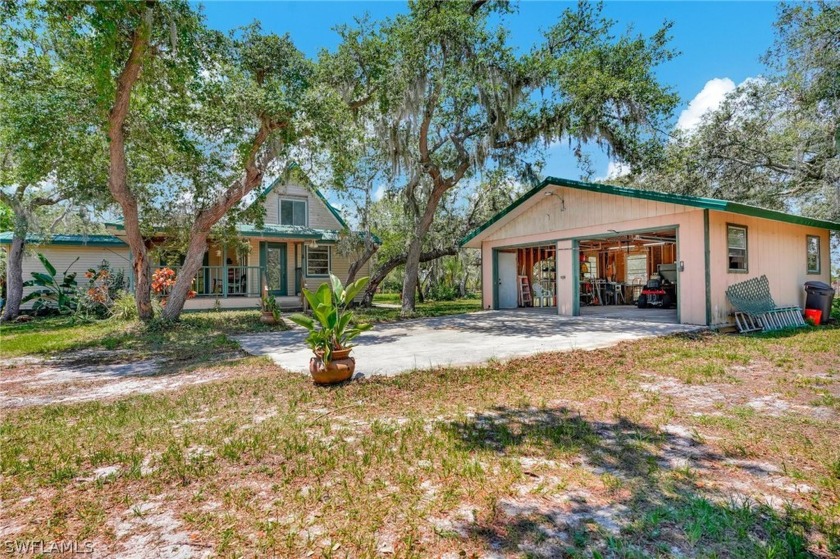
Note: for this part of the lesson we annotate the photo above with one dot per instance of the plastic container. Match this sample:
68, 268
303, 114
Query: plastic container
813, 314
820, 296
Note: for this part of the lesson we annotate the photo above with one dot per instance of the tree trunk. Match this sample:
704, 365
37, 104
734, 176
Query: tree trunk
192, 264
14, 277
118, 167
357, 265
385, 269
413, 256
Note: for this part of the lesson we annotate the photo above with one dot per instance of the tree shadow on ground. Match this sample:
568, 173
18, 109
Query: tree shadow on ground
647, 494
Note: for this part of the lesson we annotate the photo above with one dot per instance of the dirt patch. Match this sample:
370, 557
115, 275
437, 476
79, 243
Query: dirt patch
92, 375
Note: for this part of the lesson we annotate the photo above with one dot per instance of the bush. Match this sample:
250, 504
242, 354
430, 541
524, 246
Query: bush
124, 307
442, 292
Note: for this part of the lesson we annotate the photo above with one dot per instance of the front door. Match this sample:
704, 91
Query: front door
273, 260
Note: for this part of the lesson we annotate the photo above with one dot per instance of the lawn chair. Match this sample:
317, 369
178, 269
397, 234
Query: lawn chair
755, 309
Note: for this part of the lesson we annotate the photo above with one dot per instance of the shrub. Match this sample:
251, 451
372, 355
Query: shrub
442, 292
61, 295
124, 307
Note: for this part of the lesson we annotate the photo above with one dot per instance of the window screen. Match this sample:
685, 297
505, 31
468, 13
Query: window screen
318, 261
813, 248
293, 212
637, 268
736, 241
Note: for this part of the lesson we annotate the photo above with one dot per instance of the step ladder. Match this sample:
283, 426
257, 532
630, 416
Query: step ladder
525, 292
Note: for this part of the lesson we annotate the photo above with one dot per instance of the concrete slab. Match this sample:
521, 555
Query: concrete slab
460, 340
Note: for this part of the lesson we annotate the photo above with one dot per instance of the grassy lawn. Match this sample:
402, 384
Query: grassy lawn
686, 446
199, 335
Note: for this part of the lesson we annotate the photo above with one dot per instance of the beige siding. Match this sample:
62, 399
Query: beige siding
320, 216
62, 257
545, 214
589, 213
339, 266
774, 249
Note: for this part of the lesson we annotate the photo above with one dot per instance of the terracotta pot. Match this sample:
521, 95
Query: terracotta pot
268, 318
337, 370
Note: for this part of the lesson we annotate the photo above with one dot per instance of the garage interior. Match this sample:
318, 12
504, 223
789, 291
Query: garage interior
630, 276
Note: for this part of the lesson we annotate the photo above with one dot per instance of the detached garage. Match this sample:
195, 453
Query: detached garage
601, 250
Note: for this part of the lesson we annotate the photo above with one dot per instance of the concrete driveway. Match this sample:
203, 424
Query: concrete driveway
463, 339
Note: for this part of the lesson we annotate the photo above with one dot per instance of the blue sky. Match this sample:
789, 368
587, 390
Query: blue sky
720, 42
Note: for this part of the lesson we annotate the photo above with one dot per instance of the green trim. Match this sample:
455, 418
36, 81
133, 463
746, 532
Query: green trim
707, 255
284, 287
575, 277
693, 201
285, 175
68, 240
495, 279
809, 271
746, 269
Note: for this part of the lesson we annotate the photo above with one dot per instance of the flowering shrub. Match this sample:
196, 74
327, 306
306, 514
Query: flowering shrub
162, 281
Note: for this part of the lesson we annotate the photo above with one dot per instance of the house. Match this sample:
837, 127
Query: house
589, 249
296, 247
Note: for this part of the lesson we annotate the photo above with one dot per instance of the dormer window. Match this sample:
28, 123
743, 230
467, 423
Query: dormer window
293, 212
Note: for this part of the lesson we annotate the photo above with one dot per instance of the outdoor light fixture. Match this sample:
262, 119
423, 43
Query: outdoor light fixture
313, 243
562, 201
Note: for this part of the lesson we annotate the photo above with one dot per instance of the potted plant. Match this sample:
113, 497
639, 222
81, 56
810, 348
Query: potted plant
331, 328
270, 309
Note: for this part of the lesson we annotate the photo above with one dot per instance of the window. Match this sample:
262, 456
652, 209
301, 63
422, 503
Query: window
293, 212
318, 261
736, 243
813, 250
637, 268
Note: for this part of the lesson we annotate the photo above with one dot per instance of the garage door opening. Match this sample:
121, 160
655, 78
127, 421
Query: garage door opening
527, 277
630, 276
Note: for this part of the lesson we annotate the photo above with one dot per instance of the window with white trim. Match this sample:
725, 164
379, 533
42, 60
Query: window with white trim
813, 251
318, 261
637, 268
736, 247
292, 212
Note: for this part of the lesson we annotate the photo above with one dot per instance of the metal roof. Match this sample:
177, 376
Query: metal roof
693, 201
90, 240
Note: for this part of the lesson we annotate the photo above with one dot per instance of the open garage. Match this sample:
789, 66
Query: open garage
597, 250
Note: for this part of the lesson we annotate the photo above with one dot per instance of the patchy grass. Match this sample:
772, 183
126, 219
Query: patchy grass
422, 310
196, 334
697, 446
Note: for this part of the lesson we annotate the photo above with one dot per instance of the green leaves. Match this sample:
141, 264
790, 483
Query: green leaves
332, 326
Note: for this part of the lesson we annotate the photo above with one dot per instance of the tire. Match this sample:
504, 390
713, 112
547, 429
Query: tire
666, 302
641, 302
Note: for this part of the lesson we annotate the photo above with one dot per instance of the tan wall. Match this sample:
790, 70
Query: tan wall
320, 216
582, 209
589, 213
61, 257
774, 249
340, 266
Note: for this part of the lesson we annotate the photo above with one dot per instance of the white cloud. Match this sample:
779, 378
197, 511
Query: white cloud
615, 169
379, 192
709, 99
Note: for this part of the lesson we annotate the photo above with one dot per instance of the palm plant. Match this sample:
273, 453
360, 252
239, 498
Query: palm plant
61, 294
332, 325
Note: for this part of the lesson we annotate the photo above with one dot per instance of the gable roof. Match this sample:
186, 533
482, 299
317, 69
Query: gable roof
693, 201
90, 240
295, 168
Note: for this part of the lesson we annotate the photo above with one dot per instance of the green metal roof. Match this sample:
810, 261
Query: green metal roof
89, 240
693, 201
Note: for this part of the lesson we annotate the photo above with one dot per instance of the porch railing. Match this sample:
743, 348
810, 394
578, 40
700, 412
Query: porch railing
226, 281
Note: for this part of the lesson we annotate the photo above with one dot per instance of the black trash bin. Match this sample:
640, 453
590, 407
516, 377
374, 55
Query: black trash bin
820, 296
